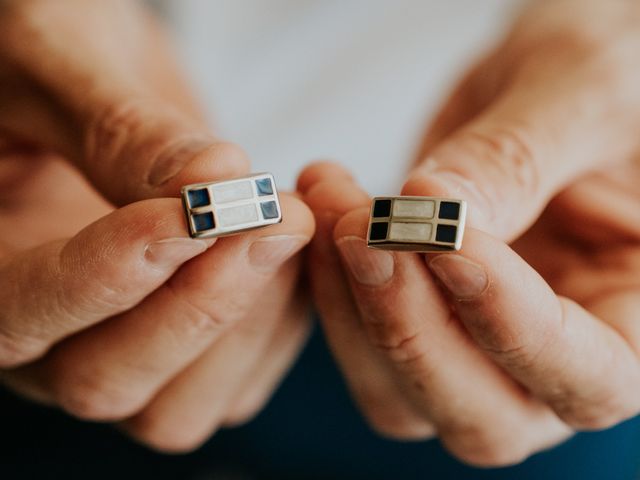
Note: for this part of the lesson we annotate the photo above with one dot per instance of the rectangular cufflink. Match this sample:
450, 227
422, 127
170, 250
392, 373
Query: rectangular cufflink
231, 206
419, 224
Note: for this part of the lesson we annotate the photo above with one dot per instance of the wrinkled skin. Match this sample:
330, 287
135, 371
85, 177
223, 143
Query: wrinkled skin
107, 309
530, 332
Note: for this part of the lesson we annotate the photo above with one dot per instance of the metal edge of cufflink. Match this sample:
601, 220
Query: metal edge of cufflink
191, 212
384, 243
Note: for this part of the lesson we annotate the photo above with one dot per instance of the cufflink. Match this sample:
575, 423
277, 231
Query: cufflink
231, 206
418, 224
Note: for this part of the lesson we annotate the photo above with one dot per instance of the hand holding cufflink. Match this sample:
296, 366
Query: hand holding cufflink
197, 327
109, 310
528, 333
451, 340
231, 206
418, 224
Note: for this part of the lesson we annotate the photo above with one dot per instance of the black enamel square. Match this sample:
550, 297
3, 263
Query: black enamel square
449, 210
446, 233
269, 210
382, 208
379, 231
264, 186
198, 198
203, 221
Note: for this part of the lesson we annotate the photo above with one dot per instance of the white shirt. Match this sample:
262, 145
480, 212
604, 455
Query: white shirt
350, 80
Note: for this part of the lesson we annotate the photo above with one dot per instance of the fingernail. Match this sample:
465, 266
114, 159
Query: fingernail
369, 267
174, 251
269, 253
174, 157
464, 278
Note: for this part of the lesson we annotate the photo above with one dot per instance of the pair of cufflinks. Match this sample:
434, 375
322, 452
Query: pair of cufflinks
418, 224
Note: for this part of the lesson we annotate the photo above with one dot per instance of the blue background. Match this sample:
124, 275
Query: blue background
309, 430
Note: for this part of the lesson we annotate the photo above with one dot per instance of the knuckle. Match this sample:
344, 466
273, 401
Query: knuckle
197, 322
176, 443
199, 318
388, 419
610, 400
516, 350
163, 434
150, 141
320, 171
386, 423
221, 159
18, 351
509, 150
93, 397
327, 196
490, 456
400, 349
599, 414
245, 411
97, 287
230, 152
393, 430
110, 130
482, 447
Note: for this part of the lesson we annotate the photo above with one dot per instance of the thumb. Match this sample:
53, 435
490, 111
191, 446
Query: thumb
532, 141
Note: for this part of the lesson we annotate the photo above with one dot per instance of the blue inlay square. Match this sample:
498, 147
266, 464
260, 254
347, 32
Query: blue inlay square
198, 198
264, 186
382, 208
446, 233
379, 231
449, 210
203, 221
269, 210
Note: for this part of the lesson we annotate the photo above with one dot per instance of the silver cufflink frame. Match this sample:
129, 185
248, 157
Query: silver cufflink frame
228, 207
417, 224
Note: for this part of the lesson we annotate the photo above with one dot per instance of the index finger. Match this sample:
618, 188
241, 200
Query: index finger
561, 114
116, 105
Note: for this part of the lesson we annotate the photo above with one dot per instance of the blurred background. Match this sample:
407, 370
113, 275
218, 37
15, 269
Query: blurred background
292, 81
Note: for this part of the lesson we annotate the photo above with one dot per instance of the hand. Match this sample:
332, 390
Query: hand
102, 311
504, 351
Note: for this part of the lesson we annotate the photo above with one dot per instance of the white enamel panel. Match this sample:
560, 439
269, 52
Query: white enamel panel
232, 216
414, 208
232, 192
410, 232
